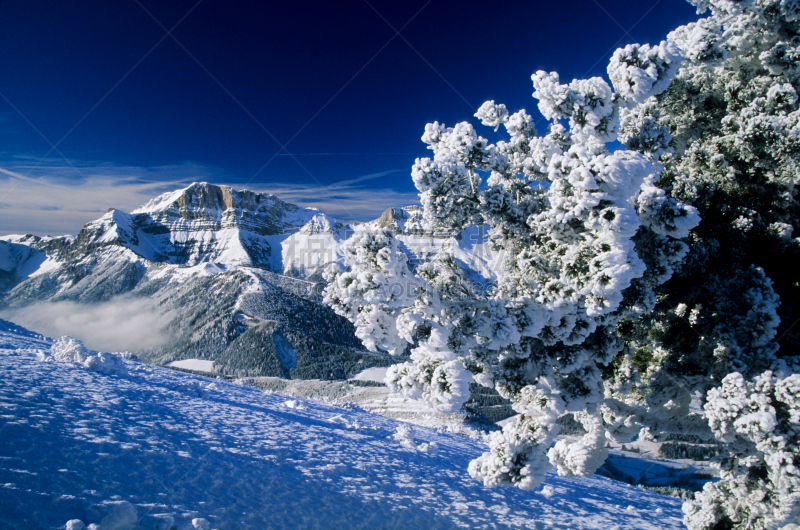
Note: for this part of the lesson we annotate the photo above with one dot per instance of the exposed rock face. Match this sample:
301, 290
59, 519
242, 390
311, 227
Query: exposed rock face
209, 207
388, 219
407, 220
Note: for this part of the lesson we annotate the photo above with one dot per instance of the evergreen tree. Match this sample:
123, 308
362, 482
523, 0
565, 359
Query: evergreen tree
730, 315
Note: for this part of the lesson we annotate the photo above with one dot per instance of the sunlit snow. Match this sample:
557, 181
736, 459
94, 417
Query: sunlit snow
194, 364
377, 375
149, 447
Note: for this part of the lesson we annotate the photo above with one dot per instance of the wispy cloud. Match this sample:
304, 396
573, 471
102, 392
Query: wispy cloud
346, 200
53, 199
53, 204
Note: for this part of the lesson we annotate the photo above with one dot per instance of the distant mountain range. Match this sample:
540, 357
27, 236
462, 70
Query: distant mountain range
208, 261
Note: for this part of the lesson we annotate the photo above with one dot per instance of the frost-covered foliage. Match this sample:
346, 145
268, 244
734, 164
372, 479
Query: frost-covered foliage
639, 72
728, 132
371, 294
732, 122
589, 236
69, 350
616, 304
760, 485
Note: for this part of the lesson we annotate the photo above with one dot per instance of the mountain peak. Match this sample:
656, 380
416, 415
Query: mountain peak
199, 223
402, 220
214, 197
321, 223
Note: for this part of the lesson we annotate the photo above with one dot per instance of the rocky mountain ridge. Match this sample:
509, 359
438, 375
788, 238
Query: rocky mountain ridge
198, 224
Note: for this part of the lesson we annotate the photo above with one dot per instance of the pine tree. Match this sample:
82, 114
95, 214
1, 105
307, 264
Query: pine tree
731, 117
570, 215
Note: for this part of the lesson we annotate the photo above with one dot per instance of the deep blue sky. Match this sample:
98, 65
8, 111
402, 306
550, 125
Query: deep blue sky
324, 76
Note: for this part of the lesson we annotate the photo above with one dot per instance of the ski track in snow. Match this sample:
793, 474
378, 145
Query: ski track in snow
178, 446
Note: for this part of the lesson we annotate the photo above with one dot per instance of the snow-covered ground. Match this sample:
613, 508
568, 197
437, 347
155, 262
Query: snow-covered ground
198, 365
148, 447
376, 375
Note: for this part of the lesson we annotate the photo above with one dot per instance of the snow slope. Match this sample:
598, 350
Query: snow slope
18, 261
198, 365
316, 244
154, 448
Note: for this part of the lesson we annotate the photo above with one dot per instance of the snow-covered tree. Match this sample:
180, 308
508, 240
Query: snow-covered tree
574, 219
730, 119
615, 302
760, 486
377, 286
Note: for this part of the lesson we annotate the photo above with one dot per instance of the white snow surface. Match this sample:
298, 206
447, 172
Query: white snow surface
194, 364
19, 258
316, 244
377, 374
175, 449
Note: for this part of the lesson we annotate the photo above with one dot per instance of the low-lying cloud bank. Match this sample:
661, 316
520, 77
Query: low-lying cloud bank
121, 324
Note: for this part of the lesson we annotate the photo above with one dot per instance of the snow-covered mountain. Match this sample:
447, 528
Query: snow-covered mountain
207, 262
18, 262
93, 439
202, 223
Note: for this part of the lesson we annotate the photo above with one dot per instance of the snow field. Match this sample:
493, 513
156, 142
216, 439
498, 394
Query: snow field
80, 445
377, 375
194, 364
